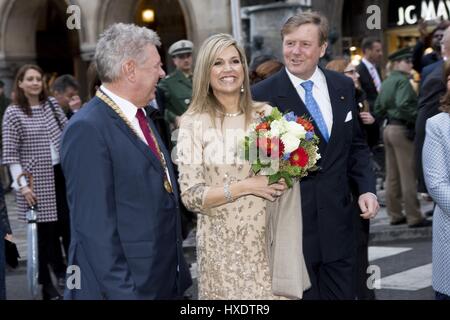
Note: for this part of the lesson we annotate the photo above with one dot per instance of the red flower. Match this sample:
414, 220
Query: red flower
299, 158
263, 126
306, 124
271, 147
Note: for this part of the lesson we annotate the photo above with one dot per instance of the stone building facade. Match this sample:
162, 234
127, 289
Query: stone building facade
36, 31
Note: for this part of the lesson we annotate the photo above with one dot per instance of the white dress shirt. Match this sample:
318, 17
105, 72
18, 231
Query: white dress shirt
373, 73
320, 94
129, 110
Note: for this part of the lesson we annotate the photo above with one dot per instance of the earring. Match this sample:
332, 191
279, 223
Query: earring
242, 89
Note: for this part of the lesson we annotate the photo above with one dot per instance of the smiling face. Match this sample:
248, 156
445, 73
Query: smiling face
302, 50
227, 72
31, 84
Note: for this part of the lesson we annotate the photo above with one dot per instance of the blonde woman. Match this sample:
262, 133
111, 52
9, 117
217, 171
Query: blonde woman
216, 183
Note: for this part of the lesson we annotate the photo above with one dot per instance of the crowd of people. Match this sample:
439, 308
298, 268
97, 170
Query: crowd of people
111, 200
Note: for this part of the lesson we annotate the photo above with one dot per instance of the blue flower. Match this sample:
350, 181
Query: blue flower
290, 116
286, 156
309, 135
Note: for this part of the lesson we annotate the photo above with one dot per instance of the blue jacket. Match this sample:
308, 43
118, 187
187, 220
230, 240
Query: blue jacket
126, 233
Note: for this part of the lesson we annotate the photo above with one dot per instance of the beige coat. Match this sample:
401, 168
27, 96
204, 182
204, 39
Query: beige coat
284, 238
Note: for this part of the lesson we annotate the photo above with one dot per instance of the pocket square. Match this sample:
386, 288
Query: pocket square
349, 117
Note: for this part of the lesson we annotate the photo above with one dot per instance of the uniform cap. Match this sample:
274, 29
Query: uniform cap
180, 47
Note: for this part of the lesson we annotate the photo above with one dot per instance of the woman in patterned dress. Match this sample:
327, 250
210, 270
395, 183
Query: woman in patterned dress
217, 183
32, 128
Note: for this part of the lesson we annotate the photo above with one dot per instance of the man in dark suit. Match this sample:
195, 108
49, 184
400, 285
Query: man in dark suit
370, 80
368, 69
329, 99
122, 192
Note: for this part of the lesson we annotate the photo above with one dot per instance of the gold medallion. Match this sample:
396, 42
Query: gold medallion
167, 186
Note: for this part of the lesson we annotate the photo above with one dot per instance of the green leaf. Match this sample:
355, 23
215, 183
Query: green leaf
256, 167
274, 178
276, 114
288, 179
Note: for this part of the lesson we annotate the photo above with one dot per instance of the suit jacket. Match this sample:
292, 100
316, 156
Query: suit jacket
326, 201
431, 92
367, 84
428, 69
436, 152
126, 235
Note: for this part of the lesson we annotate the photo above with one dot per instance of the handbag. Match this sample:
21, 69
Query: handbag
284, 245
11, 254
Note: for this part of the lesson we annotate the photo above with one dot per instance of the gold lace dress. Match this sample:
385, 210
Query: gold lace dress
231, 252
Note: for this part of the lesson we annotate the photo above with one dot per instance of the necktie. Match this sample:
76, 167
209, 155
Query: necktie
146, 131
313, 108
376, 79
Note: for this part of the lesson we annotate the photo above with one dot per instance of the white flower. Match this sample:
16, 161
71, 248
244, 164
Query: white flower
317, 153
278, 127
296, 129
290, 142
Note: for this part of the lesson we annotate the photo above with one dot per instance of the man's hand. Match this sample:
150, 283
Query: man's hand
75, 103
368, 204
366, 117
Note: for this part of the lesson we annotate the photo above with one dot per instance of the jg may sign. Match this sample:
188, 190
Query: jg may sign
427, 10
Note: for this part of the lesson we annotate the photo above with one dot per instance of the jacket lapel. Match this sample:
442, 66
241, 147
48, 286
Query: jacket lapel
338, 102
167, 157
139, 144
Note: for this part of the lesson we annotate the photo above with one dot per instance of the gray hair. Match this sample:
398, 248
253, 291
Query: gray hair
121, 42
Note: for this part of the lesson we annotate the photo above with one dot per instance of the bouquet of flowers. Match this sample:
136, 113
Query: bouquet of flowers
282, 146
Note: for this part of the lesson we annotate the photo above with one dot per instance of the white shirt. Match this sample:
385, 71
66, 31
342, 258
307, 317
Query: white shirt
129, 110
320, 94
372, 70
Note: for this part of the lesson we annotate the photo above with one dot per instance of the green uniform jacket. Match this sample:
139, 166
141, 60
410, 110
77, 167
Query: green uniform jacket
178, 93
397, 99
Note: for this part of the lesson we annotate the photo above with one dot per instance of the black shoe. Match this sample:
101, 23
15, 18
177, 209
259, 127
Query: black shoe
401, 221
421, 224
50, 293
429, 213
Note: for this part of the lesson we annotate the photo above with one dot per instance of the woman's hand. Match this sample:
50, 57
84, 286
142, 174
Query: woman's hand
29, 195
9, 237
367, 117
259, 186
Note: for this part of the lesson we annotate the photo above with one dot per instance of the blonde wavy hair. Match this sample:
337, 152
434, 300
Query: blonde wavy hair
203, 99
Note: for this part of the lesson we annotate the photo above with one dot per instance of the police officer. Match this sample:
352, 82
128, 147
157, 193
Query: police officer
177, 86
397, 102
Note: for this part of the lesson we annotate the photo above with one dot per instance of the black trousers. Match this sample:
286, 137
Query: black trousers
331, 280
62, 226
46, 240
362, 232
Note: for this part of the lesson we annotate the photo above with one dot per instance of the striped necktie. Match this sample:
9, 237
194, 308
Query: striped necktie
376, 79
